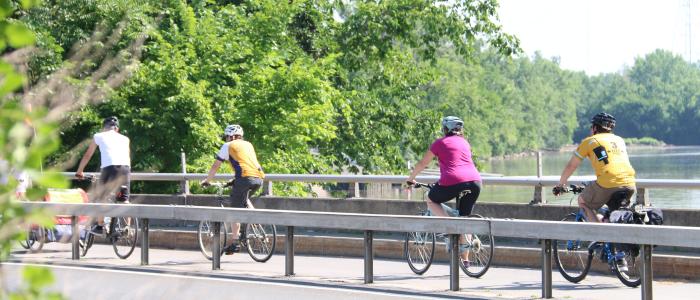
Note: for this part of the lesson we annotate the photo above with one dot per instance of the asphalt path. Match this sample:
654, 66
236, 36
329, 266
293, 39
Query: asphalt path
180, 274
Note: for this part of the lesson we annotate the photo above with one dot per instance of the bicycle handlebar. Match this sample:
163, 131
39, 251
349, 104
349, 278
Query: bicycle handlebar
576, 189
90, 178
219, 184
419, 185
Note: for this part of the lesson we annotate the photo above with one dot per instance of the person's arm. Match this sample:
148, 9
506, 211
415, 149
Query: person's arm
571, 166
214, 167
86, 158
420, 166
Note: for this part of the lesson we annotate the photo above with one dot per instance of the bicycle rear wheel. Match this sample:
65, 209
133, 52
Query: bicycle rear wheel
573, 257
632, 277
260, 240
205, 236
480, 253
123, 232
419, 250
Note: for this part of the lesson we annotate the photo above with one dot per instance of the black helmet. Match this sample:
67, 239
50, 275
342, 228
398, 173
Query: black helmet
110, 122
604, 120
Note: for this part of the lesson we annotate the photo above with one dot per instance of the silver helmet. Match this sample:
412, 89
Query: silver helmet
451, 123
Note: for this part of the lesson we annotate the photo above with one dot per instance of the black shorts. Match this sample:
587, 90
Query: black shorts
242, 188
111, 178
442, 194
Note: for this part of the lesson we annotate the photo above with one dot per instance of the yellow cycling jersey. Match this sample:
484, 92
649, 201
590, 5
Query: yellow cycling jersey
241, 155
608, 155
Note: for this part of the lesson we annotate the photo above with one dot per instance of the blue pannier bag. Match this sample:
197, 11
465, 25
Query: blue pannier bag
655, 216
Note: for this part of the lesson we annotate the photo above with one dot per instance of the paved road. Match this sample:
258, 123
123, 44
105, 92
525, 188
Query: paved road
177, 274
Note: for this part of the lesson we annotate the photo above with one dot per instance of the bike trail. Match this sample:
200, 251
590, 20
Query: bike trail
180, 274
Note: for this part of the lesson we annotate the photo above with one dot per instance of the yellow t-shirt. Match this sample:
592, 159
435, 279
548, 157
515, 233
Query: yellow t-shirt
608, 155
241, 155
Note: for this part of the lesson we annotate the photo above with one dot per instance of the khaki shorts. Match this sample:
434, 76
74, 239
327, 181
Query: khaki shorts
595, 196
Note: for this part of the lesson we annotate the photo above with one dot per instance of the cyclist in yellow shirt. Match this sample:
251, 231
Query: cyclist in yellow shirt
608, 155
249, 174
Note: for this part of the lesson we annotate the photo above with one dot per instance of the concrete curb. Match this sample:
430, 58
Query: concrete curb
665, 266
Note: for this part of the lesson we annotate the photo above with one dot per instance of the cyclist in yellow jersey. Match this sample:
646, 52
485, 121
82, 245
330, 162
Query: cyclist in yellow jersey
248, 178
614, 173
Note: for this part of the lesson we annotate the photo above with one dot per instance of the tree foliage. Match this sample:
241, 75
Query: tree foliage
26, 137
330, 86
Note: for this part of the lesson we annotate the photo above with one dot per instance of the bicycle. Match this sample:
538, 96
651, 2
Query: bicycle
574, 257
37, 236
122, 232
258, 239
419, 247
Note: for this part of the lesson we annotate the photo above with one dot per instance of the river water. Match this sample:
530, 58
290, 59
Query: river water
648, 162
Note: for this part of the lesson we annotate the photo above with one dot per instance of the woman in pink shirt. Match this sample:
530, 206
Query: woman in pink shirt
457, 174
457, 170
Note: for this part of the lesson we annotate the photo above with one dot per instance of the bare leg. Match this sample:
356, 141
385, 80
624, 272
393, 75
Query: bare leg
591, 216
235, 227
436, 208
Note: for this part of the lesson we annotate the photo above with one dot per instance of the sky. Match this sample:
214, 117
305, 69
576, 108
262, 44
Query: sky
598, 36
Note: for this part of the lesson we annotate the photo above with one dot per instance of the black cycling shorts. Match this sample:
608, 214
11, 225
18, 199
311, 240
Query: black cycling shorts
442, 194
242, 188
111, 179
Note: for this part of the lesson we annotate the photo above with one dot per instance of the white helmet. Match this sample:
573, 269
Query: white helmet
451, 123
232, 130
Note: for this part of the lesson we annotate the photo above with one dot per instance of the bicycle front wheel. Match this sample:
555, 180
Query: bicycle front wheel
573, 257
24, 244
260, 240
35, 239
479, 252
205, 236
419, 250
86, 243
123, 232
630, 271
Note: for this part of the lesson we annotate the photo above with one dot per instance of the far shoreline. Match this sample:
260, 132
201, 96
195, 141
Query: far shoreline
572, 147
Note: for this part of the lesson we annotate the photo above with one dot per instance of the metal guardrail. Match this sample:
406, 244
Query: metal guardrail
642, 195
542, 230
400, 179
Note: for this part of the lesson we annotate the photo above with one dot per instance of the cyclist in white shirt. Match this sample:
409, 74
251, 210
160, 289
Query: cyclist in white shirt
115, 167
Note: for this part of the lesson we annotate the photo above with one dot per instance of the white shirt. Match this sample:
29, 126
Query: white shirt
114, 149
223, 152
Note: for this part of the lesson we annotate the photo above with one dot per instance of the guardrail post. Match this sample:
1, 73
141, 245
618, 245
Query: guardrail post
369, 257
289, 252
354, 190
75, 238
454, 262
184, 184
643, 196
216, 247
538, 197
547, 269
145, 244
267, 188
647, 273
